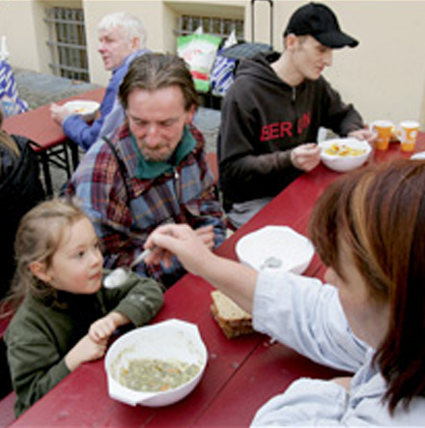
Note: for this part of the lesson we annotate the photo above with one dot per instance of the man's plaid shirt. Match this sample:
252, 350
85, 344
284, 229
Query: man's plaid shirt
184, 196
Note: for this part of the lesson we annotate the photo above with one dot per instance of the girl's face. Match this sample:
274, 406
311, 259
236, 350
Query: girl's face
368, 319
77, 264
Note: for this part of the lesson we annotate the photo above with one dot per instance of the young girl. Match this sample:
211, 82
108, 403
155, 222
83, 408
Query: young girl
369, 229
65, 316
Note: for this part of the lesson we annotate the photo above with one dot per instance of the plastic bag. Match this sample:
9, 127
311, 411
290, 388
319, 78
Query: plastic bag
199, 51
10, 102
222, 74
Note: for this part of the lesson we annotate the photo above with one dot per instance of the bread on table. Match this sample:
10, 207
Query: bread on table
232, 319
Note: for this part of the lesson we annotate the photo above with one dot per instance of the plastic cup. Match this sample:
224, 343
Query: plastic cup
384, 129
407, 133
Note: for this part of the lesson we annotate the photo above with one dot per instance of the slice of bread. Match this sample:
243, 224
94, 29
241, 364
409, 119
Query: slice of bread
232, 319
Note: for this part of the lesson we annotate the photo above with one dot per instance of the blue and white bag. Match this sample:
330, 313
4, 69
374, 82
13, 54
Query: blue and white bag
222, 74
9, 98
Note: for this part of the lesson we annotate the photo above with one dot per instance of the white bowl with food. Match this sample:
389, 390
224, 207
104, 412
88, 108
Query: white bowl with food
277, 248
156, 365
85, 108
344, 154
418, 156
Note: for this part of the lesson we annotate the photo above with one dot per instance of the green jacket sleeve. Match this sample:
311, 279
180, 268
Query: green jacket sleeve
35, 363
138, 298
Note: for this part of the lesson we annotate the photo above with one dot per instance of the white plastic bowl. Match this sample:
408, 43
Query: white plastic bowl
345, 163
168, 340
418, 156
294, 250
86, 109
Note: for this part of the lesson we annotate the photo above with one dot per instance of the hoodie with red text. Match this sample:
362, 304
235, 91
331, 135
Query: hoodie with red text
263, 118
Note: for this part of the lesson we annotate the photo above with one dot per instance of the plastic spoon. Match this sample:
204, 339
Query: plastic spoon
119, 275
271, 262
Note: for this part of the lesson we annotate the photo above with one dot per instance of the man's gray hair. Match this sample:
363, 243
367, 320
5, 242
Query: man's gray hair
132, 26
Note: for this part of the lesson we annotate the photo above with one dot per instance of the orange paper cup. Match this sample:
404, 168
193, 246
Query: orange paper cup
383, 128
407, 134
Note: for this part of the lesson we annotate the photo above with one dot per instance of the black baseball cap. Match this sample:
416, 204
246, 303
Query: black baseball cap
318, 21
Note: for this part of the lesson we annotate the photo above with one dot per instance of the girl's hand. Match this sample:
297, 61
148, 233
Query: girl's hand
85, 350
102, 329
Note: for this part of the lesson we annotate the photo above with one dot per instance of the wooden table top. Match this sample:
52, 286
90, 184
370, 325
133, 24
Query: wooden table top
38, 125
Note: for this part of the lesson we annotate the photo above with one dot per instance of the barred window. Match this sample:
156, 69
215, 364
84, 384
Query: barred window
220, 27
67, 42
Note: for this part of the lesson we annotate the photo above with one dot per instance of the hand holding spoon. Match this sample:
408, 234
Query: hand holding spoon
119, 275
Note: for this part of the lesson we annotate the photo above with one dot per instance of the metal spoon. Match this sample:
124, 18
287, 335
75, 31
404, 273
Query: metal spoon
271, 262
119, 275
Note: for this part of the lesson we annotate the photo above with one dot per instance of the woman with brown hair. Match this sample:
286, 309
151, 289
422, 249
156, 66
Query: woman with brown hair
369, 229
20, 190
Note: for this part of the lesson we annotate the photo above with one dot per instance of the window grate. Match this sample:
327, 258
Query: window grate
220, 27
67, 43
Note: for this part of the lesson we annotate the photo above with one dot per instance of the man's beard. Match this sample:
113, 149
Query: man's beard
162, 158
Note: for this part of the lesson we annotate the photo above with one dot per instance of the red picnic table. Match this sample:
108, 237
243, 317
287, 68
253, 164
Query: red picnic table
241, 374
38, 126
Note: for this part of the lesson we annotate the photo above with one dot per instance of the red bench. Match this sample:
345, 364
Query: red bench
7, 414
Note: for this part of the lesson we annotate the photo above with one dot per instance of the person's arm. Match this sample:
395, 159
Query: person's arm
35, 363
85, 350
295, 310
364, 134
314, 402
338, 116
236, 280
81, 132
136, 301
308, 402
85, 134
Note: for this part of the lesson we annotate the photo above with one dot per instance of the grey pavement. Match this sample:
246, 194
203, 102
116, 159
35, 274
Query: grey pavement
39, 89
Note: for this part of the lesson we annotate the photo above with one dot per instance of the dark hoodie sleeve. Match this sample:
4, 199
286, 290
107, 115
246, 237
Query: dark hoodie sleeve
341, 118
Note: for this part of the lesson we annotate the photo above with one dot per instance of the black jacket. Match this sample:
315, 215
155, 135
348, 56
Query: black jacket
20, 190
263, 118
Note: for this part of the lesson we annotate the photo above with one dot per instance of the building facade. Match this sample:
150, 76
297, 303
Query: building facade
384, 76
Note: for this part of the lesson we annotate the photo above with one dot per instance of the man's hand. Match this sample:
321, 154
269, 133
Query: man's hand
306, 157
364, 135
59, 113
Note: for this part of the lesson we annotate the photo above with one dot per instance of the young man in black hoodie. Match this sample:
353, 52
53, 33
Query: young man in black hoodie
273, 111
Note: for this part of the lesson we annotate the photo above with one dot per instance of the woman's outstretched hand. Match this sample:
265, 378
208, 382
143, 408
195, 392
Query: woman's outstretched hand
179, 240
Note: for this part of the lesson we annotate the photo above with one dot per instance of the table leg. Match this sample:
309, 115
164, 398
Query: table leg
46, 171
74, 154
